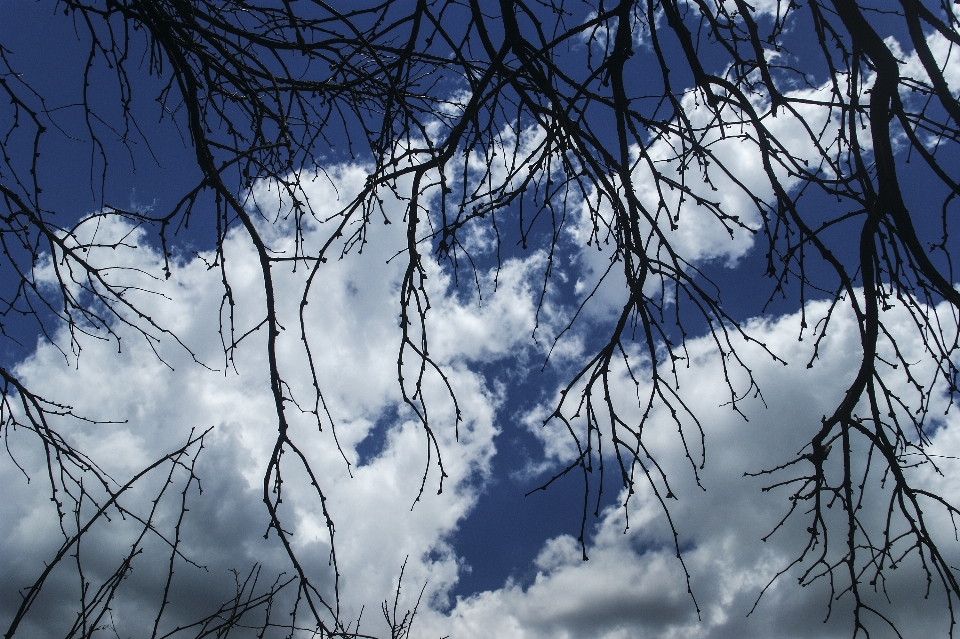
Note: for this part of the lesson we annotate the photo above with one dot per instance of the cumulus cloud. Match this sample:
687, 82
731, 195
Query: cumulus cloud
352, 326
716, 213
633, 585
912, 69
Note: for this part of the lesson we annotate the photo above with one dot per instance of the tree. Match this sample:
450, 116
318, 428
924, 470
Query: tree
478, 116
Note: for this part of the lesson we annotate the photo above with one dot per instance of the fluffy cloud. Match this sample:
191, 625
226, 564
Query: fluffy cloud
633, 586
352, 326
912, 70
717, 214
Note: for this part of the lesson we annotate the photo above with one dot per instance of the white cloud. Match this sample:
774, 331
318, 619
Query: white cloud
352, 325
633, 586
734, 180
944, 53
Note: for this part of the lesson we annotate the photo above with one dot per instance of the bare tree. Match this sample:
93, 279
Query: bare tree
628, 133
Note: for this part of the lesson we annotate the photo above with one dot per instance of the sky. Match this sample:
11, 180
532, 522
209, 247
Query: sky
488, 560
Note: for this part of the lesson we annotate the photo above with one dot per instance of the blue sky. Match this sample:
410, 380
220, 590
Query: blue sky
491, 561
